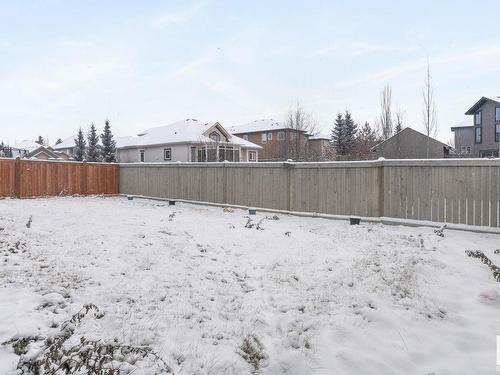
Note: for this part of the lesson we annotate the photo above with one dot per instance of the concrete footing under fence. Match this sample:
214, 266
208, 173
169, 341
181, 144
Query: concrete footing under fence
381, 220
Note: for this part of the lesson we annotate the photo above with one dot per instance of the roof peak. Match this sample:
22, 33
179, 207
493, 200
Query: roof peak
480, 102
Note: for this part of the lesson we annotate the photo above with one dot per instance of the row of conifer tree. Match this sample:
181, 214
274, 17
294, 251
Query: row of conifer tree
89, 149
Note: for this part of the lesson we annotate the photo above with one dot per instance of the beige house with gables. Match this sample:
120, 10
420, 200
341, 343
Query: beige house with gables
189, 140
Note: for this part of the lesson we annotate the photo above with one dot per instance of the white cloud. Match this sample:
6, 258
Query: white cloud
486, 56
356, 49
172, 17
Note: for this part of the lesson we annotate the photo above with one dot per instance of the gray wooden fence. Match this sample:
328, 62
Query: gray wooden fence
460, 191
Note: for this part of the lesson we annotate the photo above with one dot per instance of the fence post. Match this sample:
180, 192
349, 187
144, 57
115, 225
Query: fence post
17, 178
84, 178
224, 187
381, 187
116, 175
288, 167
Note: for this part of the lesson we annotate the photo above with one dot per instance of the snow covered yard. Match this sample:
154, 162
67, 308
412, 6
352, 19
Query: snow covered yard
209, 295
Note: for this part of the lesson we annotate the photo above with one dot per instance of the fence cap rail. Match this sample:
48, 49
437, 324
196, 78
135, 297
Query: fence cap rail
56, 161
327, 164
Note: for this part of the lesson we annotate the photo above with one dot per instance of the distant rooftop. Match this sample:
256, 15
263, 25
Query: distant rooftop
320, 136
28, 145
463, 124
66, 143
189, 131
481, 101
258, 126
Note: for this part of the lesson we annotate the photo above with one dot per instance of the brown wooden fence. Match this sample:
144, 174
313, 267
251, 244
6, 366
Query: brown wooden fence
35, 178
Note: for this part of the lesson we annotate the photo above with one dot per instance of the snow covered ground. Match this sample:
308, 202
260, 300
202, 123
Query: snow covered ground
211, 296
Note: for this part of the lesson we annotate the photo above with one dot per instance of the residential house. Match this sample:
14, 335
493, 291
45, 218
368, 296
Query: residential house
189, 140
67, 146
46, 153
320, 147
278, 141
34, 150
411, 144
479, 137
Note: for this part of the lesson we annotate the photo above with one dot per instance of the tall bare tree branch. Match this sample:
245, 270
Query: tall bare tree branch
429, 110
385, 120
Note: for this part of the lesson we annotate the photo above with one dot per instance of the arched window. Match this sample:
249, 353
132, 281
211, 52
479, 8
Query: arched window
214, 136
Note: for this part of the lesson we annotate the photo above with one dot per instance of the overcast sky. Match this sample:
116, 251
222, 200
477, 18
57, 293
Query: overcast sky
65, 64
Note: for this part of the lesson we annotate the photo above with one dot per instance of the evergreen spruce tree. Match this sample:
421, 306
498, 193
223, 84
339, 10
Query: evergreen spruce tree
367, 134
80, 146
338, 135
59, 141
108, 144
93, 152
350, 130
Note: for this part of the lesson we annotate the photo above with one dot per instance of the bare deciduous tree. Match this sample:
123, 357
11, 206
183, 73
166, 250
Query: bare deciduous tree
429, 107
367, 138
385, 121
298, 122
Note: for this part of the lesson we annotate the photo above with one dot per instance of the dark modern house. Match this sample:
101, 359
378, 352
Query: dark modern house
480, 136
411, 144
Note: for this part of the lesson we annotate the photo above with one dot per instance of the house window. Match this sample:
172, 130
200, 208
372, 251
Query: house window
269, 136
214, 136
293, 136
212, 154
477, 118
264, 138
478, 135
202, 154
167, 154
252, 155
281, 136
193, 154
497, 114
207, 154
497, 132
245, 137
226, 153
142, 155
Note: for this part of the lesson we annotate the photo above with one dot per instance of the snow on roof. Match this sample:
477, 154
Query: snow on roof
257, 126
28, 145
43, 150
66, 143
320, 136
189, 130
463, 124
242, 142
495, 98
